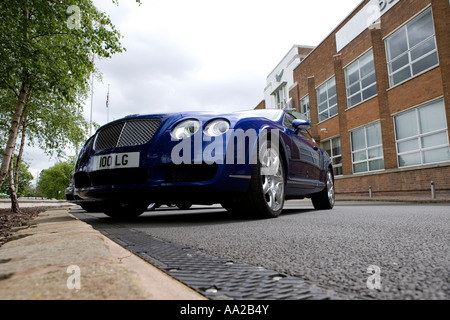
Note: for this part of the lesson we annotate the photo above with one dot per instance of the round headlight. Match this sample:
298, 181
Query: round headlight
217, 128
186, 129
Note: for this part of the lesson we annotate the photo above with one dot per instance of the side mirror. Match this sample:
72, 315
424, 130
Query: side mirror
300, 124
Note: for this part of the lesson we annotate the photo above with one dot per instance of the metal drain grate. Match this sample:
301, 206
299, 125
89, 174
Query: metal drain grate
218, 278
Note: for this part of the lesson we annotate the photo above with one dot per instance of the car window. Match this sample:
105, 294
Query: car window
299, 115
290, 117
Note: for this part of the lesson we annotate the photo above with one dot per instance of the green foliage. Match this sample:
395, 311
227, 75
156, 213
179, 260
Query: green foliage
54, 127
24, 182
39, 46
47, 51
49, 126
54, 180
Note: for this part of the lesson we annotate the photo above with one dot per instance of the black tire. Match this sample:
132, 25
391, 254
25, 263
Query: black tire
266, 194
123, 210
90, 207
235, 207
325, 199
184, 206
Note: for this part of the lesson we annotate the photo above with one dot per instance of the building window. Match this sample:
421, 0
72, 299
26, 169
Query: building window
422, 136
412, 49
280, 97
304, 108
333, 148
367, 149
327, 100
360, 80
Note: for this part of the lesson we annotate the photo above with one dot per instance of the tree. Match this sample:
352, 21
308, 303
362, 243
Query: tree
46, 50
54, 180
51, 131
23, 181
46, 57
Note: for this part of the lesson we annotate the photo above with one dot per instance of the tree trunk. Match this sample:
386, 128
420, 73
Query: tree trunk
12, 189
24, 124
13, 132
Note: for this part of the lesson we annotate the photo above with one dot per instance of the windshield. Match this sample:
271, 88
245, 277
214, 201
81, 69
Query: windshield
273, 115
298, 115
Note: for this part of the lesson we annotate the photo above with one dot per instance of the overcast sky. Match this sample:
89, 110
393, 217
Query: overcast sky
200, 54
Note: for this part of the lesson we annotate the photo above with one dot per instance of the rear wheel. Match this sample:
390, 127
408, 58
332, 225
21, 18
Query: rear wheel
123, 209
325, 199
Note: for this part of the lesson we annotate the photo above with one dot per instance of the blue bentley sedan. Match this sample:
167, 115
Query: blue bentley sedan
250, 162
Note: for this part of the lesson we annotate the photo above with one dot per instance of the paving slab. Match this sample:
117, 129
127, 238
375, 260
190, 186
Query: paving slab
58, 257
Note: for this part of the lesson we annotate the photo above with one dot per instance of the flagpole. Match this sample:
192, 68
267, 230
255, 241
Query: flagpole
107, 106
92, 100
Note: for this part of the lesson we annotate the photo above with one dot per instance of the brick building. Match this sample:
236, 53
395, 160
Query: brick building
377, 90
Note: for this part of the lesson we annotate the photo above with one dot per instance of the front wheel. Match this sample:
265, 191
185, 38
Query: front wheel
325, 199
184, 206
89, 207
265, 197
123, 210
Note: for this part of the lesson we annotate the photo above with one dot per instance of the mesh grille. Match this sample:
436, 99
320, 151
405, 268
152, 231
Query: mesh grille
127, 134
138, 132
107, 138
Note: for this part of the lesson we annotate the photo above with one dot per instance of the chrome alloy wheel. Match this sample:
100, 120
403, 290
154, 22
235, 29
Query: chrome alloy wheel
330, 188
272, 177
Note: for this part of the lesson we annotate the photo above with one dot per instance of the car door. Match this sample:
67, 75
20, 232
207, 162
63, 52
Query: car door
305, 155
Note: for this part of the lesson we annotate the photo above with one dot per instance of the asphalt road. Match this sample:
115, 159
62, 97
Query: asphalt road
406, 246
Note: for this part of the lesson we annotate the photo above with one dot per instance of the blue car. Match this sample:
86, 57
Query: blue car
250, 162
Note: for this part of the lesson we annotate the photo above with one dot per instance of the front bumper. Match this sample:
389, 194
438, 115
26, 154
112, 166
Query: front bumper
196, 183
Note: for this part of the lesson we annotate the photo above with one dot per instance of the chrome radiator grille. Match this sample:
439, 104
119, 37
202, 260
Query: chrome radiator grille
127, 133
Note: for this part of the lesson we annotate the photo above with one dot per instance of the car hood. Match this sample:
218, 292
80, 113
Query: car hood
272, 115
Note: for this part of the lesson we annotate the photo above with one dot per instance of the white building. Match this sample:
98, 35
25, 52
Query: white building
281, 79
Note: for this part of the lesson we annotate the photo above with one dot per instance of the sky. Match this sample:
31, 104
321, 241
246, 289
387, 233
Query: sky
185, 55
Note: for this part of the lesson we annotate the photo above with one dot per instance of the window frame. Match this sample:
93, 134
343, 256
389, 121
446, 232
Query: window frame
327, 110
334, 156
404, 28
421, 150
307, 112
366, 149
360, 81
280, 93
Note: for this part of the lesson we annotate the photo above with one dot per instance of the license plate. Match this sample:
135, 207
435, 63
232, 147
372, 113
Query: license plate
116, 161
